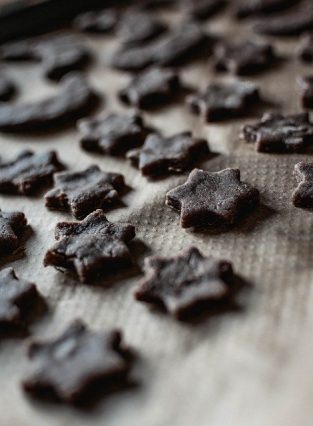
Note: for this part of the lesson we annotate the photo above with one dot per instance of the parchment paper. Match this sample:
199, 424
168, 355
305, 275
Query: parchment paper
249, 366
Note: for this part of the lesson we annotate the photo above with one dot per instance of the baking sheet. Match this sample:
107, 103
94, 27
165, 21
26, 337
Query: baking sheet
249, 366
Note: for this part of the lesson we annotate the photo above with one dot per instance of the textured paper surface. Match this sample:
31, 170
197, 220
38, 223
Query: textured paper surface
247, 367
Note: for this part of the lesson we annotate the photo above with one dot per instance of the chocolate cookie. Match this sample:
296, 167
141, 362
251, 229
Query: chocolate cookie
244, 58
186, 283
62, 54
305, 50
7, 87
221, 101
203, 9
113, 134
59, 54
303, 194
137, 27
77, 365
99, 21
134, 58
21, 50
17, 297
151, 88
75, 99
280, 133
28, 172
83, 192
12, 227
175, 48
160, 155
212, 198
254, 8
91, 247
292, 23
306, 90
181, 45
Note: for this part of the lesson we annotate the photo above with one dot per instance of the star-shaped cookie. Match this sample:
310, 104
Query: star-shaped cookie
12, 227
17, 297
303, 194
83, 192
186, 283
28, 172
280, 133
182, 44
244, 58
152, 88
212, 198
221, 101
92, 247
78, 364
134, 58
164, 155
137, 27
112, 134
97, 21
175, 48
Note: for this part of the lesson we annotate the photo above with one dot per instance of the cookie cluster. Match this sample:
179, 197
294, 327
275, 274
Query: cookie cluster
74, 366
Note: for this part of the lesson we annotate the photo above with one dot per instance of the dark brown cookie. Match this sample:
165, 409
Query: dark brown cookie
7, 87
221, 101
21, 50
83, 192
306, 91
12, 227
175, 48
137, 27
291, 23
254, 8
182, 44
208, 198
303, 195
59, 54
113, 134
75, 99
62, 54
91, 247
77, 365
28, 172
99, 21
305, 50
17, 297
186, 283
203, 9
244, 58
134, 58
280, 133
161, 156
152, 88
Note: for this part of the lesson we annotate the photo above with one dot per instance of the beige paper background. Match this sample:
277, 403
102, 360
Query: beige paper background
249, 367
